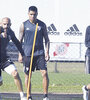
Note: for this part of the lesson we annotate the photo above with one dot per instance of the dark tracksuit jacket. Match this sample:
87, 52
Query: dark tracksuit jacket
4, 42
87, 41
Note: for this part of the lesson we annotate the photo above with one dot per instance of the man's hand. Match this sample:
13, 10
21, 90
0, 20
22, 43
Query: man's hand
47, 57
4, 34
20, 58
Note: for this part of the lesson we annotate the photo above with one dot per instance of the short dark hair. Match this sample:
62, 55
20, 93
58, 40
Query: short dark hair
32, 8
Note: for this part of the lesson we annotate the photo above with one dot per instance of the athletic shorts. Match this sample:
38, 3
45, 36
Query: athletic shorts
8, 66
38, 63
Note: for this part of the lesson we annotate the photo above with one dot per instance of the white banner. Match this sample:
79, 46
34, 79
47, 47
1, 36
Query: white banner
67, 52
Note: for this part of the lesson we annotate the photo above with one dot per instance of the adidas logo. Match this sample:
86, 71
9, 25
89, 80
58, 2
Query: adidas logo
73, 31
52, 30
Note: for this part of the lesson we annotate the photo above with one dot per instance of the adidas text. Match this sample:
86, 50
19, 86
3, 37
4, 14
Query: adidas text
53, 33
73, 33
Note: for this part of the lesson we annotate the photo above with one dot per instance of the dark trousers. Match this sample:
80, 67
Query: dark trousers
87, 64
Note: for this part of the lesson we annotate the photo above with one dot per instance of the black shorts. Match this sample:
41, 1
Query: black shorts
5, 63
38, 63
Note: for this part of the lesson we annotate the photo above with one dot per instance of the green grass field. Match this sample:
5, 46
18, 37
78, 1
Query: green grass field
69, 79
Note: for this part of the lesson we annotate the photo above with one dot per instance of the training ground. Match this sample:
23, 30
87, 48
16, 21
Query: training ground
15, 96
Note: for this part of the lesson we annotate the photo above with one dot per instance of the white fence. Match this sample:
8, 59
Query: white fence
58, 51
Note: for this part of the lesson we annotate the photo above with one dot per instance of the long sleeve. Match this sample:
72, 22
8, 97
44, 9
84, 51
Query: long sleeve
16, 42
87, 37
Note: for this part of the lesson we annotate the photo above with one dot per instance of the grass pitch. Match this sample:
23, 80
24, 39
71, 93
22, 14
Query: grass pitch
69, 79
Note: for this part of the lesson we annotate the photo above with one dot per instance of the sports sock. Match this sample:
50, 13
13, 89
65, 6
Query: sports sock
21, 94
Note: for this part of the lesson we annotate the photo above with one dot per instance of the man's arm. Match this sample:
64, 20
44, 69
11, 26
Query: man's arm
21, 34
47, 43
47, 46
87, 37
16, 42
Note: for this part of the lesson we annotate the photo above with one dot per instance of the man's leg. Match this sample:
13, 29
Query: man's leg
17, 80
26, 70
18, 83
86, 92
26, 85
11, 69
88, 88
45, 82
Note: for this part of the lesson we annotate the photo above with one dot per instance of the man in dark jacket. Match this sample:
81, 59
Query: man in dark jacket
5, 63
86, 89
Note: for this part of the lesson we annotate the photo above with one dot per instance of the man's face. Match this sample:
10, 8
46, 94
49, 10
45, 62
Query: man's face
32, 16
6, 23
